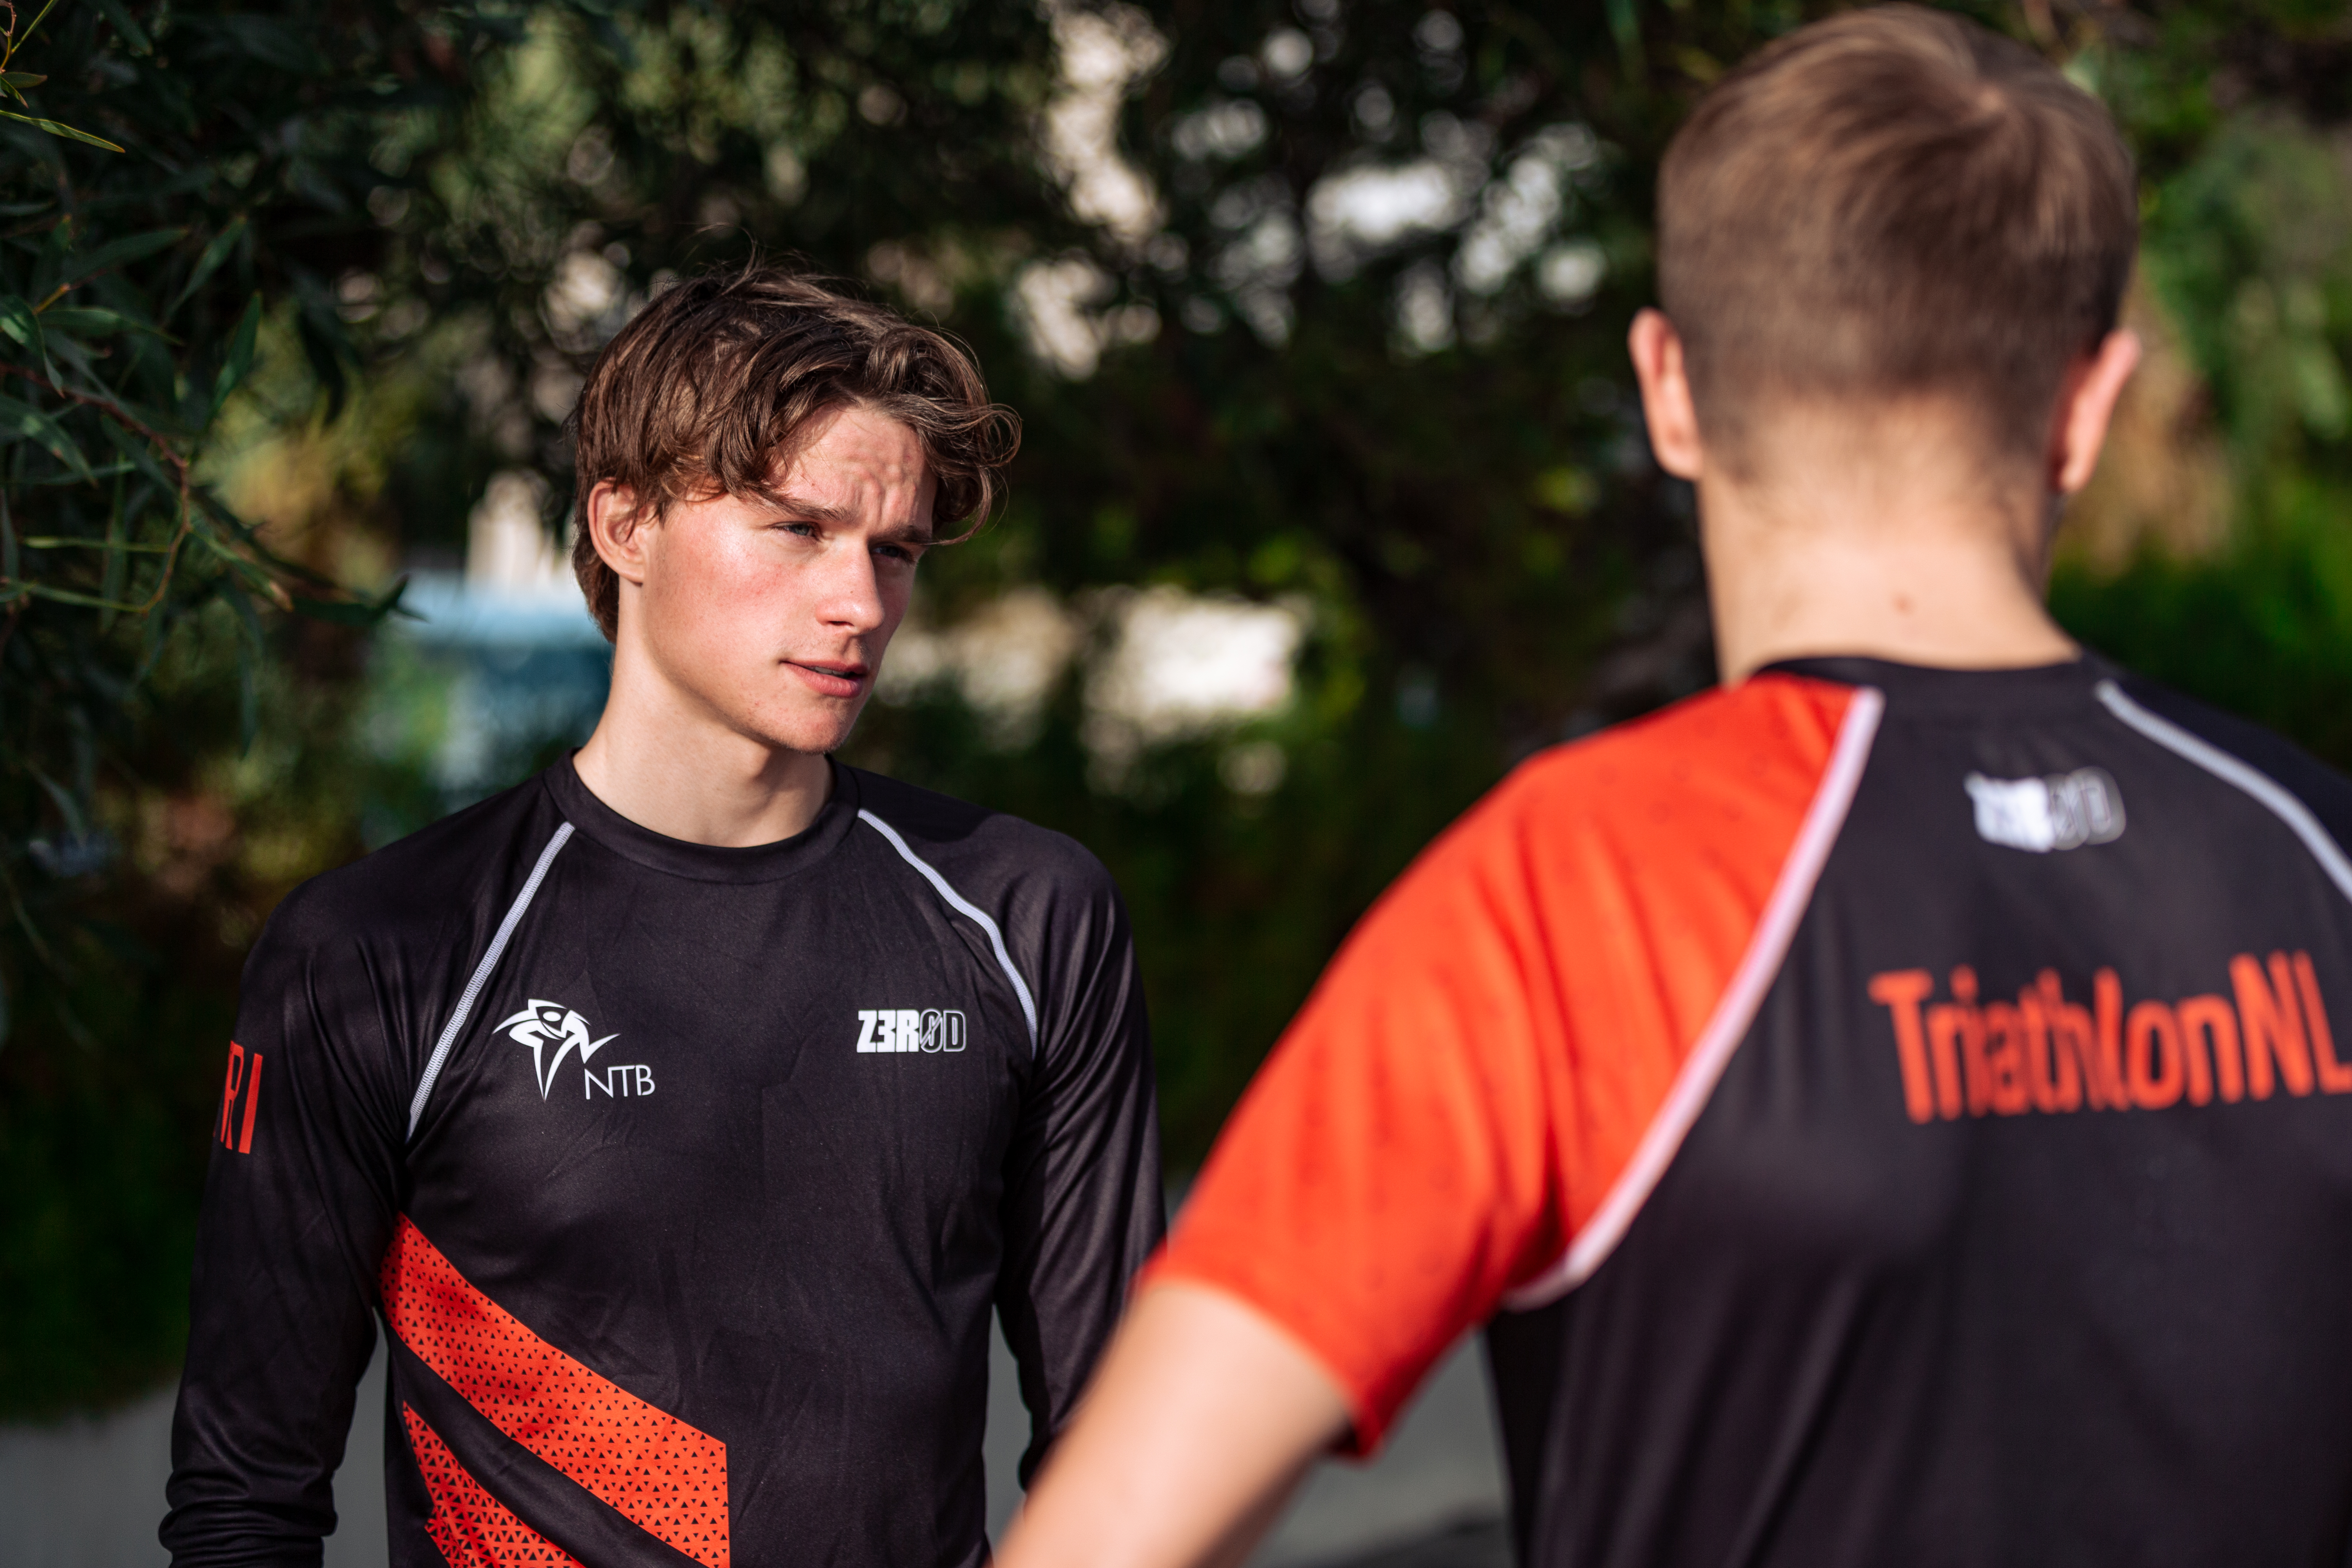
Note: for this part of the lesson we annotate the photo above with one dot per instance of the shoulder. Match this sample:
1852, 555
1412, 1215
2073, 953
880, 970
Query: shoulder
1624, 874
2326, 792
1730, 770
412, 887
992, 850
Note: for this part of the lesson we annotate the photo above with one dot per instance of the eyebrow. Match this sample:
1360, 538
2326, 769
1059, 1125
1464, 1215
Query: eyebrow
811, 510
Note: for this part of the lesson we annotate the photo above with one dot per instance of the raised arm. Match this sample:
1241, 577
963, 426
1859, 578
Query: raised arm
299, 1205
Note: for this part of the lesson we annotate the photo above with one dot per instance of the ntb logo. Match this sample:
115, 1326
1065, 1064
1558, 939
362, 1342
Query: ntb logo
545, 1024
892, 1029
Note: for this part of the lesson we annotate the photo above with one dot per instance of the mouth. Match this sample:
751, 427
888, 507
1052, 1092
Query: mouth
830, 678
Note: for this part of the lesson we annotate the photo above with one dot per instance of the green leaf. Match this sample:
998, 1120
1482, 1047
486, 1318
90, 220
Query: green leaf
53, 129
150, 649
1627, 25
39, 17
328, 348
21, 79
130, 247
359, 612
136, 450
117, 560
99, 472
62, 542
239, 600
29, 424
90, 322
337, 612
240, 357
209, 262
68, 807
72, 596
125, 23
18, 321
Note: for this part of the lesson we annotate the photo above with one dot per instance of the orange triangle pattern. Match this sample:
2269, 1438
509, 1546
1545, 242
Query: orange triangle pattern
472, 1528
661, 1474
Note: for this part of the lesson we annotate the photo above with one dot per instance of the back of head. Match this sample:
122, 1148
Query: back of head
715, 382
1892, 204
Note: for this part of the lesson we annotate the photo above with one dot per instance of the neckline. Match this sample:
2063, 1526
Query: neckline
1919, 687
592, 818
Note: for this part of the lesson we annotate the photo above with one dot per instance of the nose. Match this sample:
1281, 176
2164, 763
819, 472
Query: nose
851, 597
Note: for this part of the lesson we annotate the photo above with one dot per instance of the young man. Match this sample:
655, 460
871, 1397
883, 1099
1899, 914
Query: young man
684, 1112
1888, 1110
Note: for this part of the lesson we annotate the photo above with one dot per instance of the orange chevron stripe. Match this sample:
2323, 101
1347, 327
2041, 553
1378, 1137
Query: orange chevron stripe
472, 1528
660, 1473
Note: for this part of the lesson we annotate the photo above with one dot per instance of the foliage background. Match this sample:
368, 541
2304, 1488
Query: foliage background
1420, 430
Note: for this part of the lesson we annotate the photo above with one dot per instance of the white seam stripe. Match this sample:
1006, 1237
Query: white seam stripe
482, 976
957, 901
1734, 1012
2230, 770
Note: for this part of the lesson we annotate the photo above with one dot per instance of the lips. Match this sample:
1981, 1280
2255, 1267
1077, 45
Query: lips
831, 679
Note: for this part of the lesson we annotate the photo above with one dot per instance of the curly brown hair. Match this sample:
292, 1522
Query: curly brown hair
716, 381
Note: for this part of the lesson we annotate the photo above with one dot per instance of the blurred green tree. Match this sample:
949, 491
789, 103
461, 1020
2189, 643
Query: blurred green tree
173, 185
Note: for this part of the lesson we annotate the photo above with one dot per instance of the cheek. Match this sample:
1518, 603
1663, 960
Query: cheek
895, 597
715, 582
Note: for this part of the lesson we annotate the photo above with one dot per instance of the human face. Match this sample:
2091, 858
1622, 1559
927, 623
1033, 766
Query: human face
769, 618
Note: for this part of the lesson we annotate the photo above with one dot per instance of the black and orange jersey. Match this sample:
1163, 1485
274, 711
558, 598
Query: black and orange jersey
1883, 1115
683, 1179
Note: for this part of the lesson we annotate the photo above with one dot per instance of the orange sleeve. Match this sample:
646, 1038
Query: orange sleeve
1475, 1069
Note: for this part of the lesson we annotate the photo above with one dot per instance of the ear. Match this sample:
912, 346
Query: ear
614, 529
2086, 402
1666, 406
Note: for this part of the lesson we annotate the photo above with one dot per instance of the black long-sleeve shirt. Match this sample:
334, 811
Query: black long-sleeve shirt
682, 1178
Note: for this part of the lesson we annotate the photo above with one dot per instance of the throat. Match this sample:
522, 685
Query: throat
721, 789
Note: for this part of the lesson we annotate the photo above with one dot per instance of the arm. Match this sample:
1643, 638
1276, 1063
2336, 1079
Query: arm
1083, 1205
299, 1205
1204, 1419
1385, 1180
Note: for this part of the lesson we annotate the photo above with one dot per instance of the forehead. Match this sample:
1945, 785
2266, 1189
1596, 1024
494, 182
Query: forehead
855, 446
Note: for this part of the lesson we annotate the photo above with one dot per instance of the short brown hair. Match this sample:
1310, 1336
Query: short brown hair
715, 380
1894, 202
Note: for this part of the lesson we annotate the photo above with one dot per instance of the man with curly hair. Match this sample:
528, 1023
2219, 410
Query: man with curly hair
684, 1112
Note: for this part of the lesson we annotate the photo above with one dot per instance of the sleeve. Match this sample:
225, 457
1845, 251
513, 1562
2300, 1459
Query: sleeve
299, 1207
1391, 1172
1083, 1205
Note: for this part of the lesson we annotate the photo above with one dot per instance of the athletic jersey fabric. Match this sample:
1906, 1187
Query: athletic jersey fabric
684, 1179
1888, 1115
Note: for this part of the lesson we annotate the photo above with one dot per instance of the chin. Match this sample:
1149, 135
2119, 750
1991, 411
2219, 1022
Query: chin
817, 732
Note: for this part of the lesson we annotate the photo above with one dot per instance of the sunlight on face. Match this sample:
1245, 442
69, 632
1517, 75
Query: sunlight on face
773, 617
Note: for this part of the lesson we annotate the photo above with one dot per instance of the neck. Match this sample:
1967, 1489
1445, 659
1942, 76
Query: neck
1914, 551
666, 763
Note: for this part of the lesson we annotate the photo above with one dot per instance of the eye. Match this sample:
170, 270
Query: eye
805, 529
898, 553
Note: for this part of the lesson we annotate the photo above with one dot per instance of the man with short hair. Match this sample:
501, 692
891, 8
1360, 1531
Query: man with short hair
1888, 1109
684, 1112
